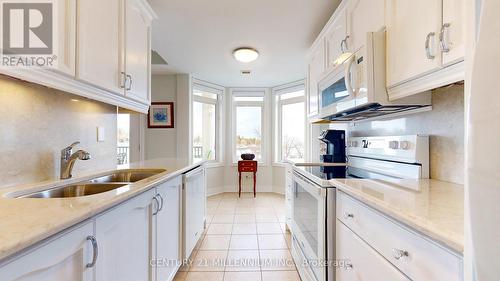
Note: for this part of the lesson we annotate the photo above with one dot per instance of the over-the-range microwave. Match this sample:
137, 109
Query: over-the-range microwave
356, 89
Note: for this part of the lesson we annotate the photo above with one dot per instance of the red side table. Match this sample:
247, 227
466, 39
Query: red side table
248, 166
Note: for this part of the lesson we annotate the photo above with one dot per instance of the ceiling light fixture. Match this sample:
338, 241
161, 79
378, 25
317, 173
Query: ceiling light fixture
245, 54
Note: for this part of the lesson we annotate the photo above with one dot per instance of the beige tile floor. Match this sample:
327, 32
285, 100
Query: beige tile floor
245, 240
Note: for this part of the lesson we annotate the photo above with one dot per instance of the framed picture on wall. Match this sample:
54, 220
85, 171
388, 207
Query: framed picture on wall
161, 115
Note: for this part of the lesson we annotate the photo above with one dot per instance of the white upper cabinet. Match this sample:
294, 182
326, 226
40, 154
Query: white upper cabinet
138, 52
316, 68
336, 36
100, 44
412, 39
453, 31
363, 16
124, 238
63, 258
66, 34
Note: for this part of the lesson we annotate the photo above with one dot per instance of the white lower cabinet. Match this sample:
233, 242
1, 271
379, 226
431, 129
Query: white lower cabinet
123, 235
63, 258
359, 261
288, 195
168, 230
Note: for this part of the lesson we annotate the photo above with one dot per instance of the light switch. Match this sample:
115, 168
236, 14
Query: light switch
101, 134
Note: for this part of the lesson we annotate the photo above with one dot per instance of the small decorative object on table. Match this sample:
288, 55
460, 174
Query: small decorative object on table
161, 115
247, 165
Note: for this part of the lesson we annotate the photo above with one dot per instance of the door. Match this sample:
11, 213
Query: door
316, 69
193, 209
412, 39
308, 222
137, 50
64, 258
66, 34
335, 36
124, 236
100, 44
453, 31
360, 261
168, 230
363, 16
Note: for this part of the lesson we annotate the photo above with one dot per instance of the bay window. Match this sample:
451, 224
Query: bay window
248, 109
290, 117
205, 127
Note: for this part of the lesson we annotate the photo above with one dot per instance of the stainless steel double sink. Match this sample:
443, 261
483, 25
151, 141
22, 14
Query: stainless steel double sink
96, 185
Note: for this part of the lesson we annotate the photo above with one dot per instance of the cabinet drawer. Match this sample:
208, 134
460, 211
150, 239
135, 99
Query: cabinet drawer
360, 261
247, 169
247, 164
414, 255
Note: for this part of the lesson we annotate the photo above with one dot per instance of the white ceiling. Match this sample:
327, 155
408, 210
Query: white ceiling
198, 37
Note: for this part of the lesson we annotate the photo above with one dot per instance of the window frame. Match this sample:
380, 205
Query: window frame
219, 91
278, 122
250, 92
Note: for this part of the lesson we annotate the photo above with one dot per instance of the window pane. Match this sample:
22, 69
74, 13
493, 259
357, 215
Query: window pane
204, 94
123, 140
248, 98
292, 95
292, 131
204, 131
249, 131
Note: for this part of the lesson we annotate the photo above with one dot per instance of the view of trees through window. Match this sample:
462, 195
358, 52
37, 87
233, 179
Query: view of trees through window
291, 108
249, 131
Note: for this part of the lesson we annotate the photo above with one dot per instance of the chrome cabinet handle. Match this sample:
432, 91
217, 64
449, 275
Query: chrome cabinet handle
348, 216
130, 79
343, 45
95, 249
427, 45
443, 38
161, 202
398, 254
157, 205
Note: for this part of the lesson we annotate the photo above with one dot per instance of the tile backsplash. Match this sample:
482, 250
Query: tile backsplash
444, 125
36, 122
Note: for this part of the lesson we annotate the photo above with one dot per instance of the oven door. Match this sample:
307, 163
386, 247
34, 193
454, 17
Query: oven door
337, 90
309, 225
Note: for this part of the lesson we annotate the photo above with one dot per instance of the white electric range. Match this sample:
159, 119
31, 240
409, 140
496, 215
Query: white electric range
314, 196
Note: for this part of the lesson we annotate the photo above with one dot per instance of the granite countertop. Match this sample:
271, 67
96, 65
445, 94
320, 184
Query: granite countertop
26, 221
433, 208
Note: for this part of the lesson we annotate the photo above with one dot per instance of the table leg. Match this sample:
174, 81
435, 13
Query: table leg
239, 190
254, 184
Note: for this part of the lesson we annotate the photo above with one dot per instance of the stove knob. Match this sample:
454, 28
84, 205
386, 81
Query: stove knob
393, 144
404, 145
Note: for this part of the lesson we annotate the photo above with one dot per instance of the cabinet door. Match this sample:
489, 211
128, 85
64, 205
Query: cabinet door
363, 16
63, 258
193, 209
66, 33
316, 69
168, 230
124, 237
100, 43
453, 31
410, 24
137, 50
337, 32
362, 263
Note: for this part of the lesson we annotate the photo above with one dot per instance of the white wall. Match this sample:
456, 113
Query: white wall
162, 143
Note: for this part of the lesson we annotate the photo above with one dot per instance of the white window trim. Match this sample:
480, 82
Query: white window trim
219, 112
265, 138
277, 132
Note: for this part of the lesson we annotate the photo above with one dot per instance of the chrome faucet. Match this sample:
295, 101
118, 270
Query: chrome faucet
68, 159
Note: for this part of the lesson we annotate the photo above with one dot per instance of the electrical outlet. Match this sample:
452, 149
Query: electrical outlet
101, 134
